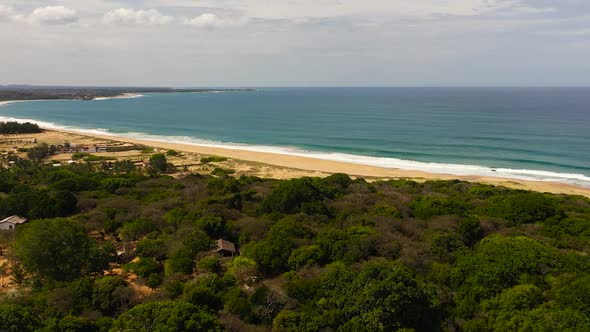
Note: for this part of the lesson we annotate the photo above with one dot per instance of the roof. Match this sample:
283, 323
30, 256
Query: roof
225, 245
13, 220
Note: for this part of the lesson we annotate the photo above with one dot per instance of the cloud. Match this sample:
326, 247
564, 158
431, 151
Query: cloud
535, 10
294, 9
6, 14
53, 15
210, 21
137, 17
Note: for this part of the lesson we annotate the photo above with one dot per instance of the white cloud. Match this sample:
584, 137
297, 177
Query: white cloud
294, 9
6, 14
210, 21
535, 10
139, 17
53, 15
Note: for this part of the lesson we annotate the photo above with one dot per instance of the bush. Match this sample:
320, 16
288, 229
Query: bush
144, 267
158, 163
210, 264
37, 153
111, 294
384, 210
213, 159
526, 208
289, 196
18, 318
426, 207
181, 261
167, 316
222, 172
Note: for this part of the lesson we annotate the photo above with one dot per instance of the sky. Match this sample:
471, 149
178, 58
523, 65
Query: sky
264, 43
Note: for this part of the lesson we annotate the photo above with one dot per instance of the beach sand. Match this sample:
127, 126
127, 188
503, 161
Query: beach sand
281, 166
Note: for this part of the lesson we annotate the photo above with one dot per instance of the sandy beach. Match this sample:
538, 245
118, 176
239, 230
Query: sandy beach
287, 166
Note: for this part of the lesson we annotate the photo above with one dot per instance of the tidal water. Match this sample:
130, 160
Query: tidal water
525, 133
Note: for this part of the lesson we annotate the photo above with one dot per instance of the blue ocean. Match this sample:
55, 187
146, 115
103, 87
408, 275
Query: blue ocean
522, 133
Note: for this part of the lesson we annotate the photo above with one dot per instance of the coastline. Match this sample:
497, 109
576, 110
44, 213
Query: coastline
309, 166
121, 96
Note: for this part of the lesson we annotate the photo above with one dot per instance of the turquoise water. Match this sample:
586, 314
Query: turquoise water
528, 133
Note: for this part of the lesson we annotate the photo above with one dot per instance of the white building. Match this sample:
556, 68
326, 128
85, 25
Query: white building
10, 223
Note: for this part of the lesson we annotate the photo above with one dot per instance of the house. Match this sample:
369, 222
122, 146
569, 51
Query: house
225, 248
10, 223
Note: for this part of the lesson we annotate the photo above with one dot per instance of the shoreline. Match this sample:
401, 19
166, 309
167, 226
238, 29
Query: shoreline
315, 165
121, 96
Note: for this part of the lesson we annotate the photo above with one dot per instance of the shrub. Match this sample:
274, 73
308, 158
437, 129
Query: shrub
181, 261
426, 207
213, 159
158, 163
384, 210
167, 316
222, 172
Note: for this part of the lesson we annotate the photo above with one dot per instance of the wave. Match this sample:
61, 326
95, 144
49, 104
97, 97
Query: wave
385, 162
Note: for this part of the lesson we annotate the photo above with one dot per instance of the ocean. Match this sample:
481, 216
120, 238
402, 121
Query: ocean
522, 133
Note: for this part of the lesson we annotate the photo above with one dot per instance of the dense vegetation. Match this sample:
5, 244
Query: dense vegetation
18, 128
315, 254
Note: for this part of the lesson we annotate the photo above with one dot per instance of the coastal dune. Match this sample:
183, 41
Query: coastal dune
311, 166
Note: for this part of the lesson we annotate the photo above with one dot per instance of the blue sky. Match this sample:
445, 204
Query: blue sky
296, 42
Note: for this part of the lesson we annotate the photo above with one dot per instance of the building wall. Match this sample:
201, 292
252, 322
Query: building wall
7, 226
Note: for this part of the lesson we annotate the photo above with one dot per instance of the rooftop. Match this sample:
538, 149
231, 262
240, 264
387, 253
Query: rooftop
225, 245
13, 220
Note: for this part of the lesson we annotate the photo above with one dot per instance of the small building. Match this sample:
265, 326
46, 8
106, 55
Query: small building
9, 223
225, 248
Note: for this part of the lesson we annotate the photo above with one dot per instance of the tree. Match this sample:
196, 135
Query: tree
57, 249
144, 267
75, 324
244, 270
378, 297
18, 318
154, 280
174, 316
158, 163
470, 230
65, 203
111, 294
526, 208
180, 261
499, 262
155, 248
289, 196
272, 254
37, 153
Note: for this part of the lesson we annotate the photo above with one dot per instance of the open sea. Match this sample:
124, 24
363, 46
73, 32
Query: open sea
521, 133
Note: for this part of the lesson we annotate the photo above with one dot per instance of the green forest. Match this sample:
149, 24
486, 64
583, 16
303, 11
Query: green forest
315, 254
